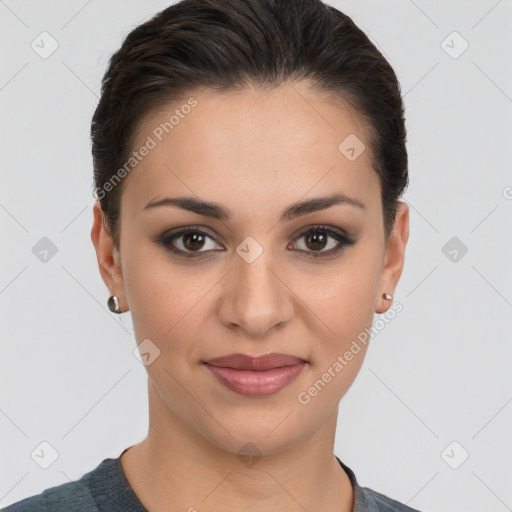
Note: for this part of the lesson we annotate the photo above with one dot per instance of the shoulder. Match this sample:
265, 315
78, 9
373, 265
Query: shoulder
68, 497
368, 500
376, 501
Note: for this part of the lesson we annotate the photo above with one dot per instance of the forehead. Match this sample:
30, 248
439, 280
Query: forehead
259, 143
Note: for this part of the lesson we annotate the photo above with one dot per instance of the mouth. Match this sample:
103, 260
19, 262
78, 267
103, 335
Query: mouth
256, 376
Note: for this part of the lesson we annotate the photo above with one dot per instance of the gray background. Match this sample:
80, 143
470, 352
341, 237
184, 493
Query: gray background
438, 373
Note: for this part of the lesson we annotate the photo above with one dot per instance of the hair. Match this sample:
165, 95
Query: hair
228, 45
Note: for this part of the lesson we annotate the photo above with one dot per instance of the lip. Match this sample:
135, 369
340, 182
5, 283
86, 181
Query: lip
256, 376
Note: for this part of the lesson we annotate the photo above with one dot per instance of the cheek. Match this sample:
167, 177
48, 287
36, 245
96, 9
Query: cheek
344, 308
157, 292
168, 304
344, 298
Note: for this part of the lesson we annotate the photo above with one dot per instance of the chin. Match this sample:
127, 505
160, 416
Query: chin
253, 437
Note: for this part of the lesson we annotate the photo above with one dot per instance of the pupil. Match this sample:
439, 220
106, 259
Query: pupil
318, 240
197, 241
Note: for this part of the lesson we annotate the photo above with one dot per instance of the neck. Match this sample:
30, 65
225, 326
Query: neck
175, 464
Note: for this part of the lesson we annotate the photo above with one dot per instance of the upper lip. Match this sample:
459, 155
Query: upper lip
245, 362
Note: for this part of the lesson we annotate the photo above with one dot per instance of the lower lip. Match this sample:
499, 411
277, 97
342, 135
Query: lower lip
256, 382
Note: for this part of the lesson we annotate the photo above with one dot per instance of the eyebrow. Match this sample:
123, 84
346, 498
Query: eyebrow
216, 211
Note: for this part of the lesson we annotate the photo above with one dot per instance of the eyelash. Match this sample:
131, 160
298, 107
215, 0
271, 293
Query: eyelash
343, 240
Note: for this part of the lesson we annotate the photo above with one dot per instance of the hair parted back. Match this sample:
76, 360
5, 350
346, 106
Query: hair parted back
229, 45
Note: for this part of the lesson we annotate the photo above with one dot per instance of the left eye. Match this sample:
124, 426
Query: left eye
316, 239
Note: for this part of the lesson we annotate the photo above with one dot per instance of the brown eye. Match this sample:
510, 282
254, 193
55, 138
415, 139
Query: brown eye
193, 241
188, 242
316, 239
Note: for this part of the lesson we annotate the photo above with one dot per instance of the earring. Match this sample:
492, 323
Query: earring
387, 296
113, 304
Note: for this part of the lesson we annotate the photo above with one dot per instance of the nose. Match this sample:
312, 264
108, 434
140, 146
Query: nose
255, 297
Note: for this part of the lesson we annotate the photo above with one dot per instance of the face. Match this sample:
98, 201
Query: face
242, 276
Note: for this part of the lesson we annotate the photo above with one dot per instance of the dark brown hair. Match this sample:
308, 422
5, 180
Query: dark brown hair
228, 45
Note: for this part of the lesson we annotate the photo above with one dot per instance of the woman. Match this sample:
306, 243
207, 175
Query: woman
248, 158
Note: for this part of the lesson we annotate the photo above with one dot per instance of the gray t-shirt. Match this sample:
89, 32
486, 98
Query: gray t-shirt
105, 489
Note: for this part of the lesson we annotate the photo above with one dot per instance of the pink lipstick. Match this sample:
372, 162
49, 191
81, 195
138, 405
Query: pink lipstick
256, 376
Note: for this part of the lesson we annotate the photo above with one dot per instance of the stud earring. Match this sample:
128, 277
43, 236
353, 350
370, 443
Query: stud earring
113, 304
387, 296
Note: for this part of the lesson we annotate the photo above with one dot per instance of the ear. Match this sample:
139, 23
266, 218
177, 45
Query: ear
393, 262
109, 261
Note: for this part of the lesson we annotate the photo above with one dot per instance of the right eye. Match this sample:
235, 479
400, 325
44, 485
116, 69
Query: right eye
186, 242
